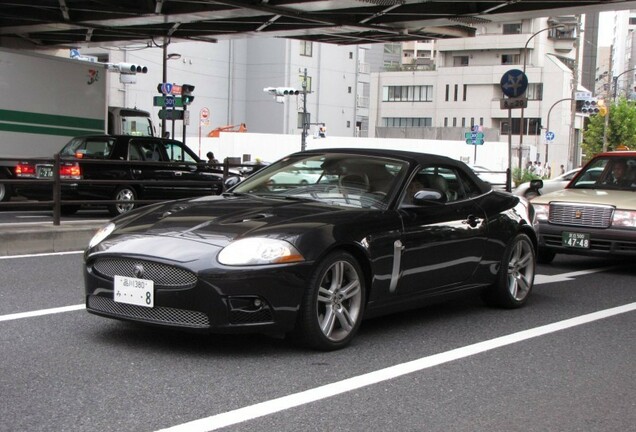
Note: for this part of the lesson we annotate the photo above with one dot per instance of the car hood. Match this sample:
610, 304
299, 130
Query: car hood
625, 200
219, 220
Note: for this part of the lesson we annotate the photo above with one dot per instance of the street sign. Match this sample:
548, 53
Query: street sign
204, 116
513, 103
170, 114
169, 101
583, 95
161, 101
549, 136
166, 88
474, 138
514, 83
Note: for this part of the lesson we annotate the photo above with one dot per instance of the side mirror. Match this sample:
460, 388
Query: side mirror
426, 196
536, 184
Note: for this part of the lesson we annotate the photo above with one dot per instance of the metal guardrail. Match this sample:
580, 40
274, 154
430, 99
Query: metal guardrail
56, 181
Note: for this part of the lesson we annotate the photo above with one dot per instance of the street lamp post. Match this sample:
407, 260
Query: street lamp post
548, 127
615, 79
525, 57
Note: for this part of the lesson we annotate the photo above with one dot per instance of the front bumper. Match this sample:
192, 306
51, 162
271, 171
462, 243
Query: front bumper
262, 299
603, 242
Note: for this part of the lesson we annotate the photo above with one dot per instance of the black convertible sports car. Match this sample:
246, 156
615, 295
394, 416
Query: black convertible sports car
367, 232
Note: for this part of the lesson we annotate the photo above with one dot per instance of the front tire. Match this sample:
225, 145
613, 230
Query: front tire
516, 274
126, 195
333, 305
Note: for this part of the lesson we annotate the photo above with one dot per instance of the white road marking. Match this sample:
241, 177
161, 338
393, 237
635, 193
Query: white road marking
563, 277
41, 312
312, 395
38, 255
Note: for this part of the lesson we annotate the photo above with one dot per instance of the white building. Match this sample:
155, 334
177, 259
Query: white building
465, 89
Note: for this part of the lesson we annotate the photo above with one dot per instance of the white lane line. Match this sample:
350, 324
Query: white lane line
41, 312
564, 277
38, 255
312, 395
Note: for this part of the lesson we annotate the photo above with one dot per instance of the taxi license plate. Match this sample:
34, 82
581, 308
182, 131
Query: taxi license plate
140, 292
45, 171
575, 240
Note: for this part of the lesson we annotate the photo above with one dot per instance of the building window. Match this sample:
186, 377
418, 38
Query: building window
456, 91
445, 121
472, 121
350, 55
348, 124
447, 92
454, 121
512, 28
460, 61
532, 126
407, 122
508, 59
481, 121
422, 93
392, 48
535, 91
465, 92
306, 48
464, 122
349, 89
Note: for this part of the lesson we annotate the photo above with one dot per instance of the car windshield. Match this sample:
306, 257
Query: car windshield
611, 172
334, 178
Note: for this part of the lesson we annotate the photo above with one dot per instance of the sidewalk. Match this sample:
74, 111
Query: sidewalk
27, 238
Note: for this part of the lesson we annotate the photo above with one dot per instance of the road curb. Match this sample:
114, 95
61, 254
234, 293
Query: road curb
17, 239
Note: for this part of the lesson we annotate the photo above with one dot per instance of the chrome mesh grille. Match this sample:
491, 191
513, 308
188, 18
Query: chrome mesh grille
161, 315
161, 274
593, 216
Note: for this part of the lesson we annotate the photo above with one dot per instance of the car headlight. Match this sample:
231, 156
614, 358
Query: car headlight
101, 234
541, 212
259, 251
624, 219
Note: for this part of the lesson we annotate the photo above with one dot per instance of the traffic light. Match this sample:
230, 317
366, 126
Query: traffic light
281, 91
186, 93
587, 106
602, 108
130, 68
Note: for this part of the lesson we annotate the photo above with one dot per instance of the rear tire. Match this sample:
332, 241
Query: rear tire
125, 195
516, 274
333, 305
6, 191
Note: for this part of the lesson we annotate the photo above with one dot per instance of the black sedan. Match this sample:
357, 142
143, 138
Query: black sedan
121, 168
375, 232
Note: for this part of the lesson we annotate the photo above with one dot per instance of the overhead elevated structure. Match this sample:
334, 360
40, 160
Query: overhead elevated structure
78, 23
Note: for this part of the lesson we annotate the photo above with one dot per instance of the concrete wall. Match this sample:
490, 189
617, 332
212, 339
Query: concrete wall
271, 147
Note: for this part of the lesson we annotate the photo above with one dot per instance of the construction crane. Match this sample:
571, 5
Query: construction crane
214, 133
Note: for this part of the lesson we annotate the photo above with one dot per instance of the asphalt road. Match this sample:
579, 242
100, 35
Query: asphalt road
564, 362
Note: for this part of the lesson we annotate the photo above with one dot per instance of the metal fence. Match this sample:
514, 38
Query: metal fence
56, 182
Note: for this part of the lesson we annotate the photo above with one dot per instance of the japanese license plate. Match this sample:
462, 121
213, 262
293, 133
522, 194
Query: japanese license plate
140, 292
575, 240
45, 171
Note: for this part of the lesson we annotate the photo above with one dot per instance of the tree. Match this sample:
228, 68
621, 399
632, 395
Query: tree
621, 129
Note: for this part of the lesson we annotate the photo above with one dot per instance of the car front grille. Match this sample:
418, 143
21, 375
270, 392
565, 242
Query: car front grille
159, 315
162, 274
592, 216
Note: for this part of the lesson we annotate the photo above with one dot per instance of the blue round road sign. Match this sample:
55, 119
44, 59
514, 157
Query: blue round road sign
549, 135
514, 83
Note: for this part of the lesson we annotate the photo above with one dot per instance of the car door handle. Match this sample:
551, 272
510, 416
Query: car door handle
472, 221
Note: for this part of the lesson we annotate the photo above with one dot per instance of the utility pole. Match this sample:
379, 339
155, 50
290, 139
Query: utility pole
573, 147
303, 142
608, 93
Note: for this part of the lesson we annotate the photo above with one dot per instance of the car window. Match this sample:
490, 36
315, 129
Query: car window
337, 179
98, 147
177, 153
148, 150
443, 179
609, 172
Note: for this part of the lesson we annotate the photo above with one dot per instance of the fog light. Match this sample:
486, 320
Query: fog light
258, 303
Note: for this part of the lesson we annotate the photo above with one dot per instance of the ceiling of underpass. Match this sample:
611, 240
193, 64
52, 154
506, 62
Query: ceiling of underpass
83, 23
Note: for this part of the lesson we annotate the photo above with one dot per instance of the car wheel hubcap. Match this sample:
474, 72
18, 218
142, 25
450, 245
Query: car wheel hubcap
339, 301
520, 270
125, 195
